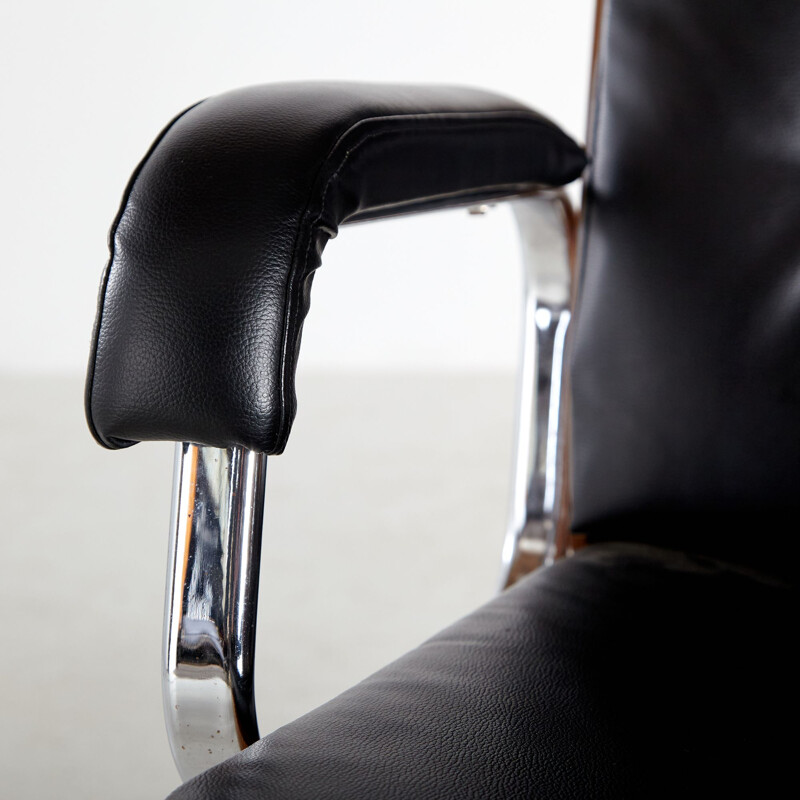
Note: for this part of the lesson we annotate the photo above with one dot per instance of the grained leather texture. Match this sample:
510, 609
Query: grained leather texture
686, 370
626, 672
224, 223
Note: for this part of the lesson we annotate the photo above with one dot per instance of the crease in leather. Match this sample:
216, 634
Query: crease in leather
318, 227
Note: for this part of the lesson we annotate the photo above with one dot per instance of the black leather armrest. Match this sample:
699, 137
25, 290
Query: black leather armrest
224, 222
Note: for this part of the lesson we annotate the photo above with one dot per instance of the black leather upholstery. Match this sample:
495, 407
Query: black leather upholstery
224, 222
626, 672
686, 376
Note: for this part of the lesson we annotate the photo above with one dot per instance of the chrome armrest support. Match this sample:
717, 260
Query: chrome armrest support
211, 600
545, 223
218, 505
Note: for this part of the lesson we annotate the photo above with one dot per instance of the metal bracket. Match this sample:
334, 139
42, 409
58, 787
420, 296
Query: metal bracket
545, 226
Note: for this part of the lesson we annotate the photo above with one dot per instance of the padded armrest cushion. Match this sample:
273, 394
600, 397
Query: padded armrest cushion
223, 224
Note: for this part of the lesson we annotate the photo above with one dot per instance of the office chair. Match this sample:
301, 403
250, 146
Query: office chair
647, 652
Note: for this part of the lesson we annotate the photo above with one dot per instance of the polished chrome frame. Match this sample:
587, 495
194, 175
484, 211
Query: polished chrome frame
211, 601
545, 226
218, 506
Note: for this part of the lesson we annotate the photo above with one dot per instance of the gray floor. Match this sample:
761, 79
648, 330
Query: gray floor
384, 523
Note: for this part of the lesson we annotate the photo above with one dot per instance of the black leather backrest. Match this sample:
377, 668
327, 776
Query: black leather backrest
686, 368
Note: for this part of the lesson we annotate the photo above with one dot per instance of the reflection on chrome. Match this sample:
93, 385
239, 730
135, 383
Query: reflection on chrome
210, 613
544, 225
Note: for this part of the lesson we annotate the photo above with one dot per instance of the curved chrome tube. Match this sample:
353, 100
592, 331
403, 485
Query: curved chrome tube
211, 599
544, 227
218, 505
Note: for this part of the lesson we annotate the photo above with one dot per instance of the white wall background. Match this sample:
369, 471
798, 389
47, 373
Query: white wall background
86, 86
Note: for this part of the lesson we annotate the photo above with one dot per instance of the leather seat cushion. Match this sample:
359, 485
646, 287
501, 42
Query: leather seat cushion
626, 671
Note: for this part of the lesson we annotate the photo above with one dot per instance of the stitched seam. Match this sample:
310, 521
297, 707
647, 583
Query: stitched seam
440, 119
112, 236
